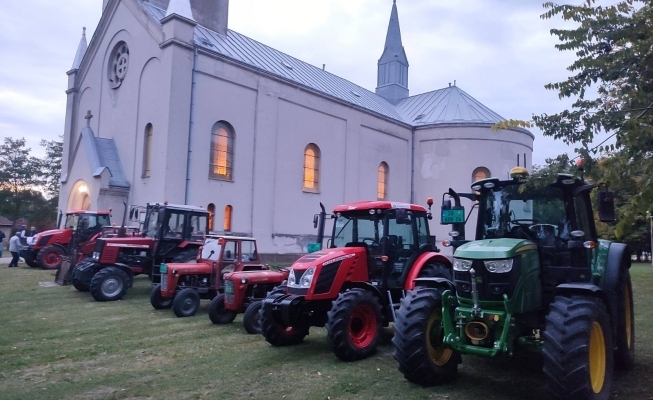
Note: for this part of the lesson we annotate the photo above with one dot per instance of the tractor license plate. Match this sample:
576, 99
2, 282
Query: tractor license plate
163, 268
228, 287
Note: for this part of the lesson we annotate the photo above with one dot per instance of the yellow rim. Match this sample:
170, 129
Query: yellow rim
439, 354
597, 357
628, 315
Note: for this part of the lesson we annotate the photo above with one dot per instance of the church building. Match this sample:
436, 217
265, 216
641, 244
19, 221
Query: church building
167, 103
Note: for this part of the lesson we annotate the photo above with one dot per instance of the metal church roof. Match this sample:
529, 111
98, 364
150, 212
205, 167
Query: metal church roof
448, 105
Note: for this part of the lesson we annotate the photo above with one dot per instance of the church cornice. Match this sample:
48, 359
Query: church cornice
176, 42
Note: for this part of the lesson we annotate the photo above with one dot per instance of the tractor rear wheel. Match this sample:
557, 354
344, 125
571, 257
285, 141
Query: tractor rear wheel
624, 355
435, 270
250, 318
578, 351
218, 313
355, 324
159, 302
109, 284
50, 257
419, 349
186, 303
80, 285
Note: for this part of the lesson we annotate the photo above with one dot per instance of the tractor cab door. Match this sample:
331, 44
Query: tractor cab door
407, 237
197, 227
230, 256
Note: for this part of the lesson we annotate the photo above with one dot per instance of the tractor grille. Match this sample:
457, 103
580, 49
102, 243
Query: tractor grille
490, 286
229, 292
327, 275
164, 281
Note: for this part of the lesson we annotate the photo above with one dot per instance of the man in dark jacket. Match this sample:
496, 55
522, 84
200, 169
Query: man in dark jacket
2, 238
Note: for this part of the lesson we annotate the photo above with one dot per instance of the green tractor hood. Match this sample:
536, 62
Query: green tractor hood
493, 248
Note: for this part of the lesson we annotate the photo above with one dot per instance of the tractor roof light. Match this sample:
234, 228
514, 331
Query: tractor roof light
518, 173
476, 187
454, 234
446, 243
488, 185
429, 201
590, 244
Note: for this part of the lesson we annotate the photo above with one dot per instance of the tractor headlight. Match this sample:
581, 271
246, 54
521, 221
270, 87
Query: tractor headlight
243, 280
96, 255
291, 278
307, 278
461, 265
499, 266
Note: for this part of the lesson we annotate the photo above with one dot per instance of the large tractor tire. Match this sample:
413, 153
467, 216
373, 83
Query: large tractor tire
436, 270
186, 256
157, 301
355, 324
218, 314
419, 350
578, 351
80, 285
250, 318
624, 355
109, 284
275, 334
50, 257
186, 303
31, 262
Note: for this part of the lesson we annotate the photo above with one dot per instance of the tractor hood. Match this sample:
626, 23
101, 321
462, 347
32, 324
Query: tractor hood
257, 277
493, 248
327, 256
186, 268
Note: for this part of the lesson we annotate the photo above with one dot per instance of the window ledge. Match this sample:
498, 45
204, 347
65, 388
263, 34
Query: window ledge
218, 178
312, 191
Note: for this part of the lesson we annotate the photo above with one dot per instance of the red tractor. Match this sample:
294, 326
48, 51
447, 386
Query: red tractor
243, 292
50, 247
184, 284
171, 233
376, 251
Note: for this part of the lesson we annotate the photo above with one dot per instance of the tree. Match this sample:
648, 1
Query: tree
51, 167
19, 175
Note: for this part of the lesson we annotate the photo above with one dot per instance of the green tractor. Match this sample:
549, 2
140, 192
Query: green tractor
537, 278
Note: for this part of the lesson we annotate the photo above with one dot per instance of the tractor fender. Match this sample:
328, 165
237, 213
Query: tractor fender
618, 260
127, 270
422, 260
367, 286
568, 289
59, 245
435, 283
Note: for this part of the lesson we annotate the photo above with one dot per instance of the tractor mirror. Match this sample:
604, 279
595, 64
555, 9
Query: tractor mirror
402, 216
606, 206
315, 220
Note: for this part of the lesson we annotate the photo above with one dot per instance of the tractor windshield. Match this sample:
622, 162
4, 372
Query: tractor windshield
357, 227
151, 223
71, 221
537, 214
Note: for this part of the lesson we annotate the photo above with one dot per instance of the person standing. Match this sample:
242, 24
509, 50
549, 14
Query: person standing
14, 248
2, 238
23, 235
33, 232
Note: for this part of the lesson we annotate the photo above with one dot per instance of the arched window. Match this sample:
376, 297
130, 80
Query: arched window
228, 210
147, 150
312, 168
480, 173
382, 181
211, 211
222, 152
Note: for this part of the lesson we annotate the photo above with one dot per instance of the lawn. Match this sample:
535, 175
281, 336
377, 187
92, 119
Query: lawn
57, 343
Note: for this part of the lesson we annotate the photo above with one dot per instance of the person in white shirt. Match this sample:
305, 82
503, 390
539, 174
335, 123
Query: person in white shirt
14, 248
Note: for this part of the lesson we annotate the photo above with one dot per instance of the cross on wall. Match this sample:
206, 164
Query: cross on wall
88, 118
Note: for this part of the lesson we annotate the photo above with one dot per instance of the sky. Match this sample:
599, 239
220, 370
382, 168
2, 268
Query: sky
498, 51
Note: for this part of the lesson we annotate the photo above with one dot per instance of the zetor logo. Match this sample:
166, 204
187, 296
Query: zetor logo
400, 205
338, 259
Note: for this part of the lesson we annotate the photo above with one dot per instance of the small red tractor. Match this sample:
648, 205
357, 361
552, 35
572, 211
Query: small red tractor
48, 248
353, 287
171, 233
243, 292
184, 284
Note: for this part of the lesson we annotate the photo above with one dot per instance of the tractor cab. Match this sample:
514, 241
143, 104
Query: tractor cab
392, 235
85, 224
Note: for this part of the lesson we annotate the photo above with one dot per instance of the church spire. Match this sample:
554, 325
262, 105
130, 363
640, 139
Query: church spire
392, 78
181, 8
81, 50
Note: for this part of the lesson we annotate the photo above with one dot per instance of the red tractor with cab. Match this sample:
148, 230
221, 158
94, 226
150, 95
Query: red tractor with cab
244, 292
353, 287
184, 284
171, 233
48, 248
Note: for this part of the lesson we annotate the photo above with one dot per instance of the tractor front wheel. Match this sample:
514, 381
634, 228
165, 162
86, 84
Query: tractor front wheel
419, 349
578, 351
159, 302
355, 324
250, 318
80, 285
50, 257
109, 284
218, 313
276, 334
186, 303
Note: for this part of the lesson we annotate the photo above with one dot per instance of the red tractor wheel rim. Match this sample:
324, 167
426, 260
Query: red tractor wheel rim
362, 326
51, 258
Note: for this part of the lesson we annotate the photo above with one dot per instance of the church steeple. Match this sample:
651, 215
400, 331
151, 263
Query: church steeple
181, 8
81, 50
392, 78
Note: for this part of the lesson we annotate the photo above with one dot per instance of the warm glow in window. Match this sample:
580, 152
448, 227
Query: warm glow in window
211, 210
228, 210
222, 143
382, 182
312, 168
480, 173
147, 150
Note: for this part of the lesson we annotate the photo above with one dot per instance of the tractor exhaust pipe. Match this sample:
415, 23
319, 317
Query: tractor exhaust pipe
476, 330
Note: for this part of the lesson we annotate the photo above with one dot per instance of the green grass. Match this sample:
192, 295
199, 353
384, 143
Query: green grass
57, 343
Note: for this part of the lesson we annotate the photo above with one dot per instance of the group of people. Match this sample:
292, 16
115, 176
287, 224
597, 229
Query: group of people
19, 238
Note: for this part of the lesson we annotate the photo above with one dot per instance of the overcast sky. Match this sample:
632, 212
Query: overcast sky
498, 51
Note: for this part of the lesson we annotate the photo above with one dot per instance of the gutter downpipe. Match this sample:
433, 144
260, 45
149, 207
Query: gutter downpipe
190, 124
412, 168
